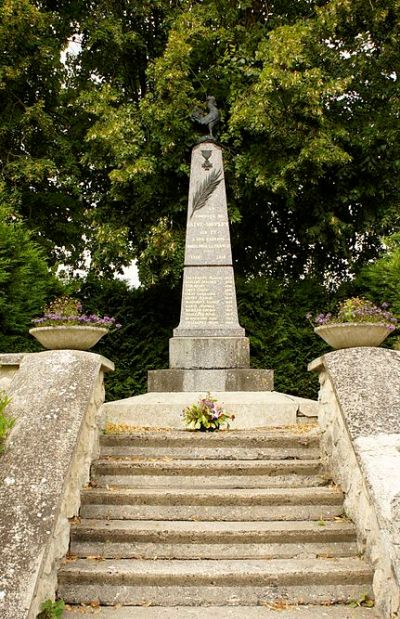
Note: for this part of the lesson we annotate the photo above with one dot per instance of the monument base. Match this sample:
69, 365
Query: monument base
209, 352
252, 410
234, 379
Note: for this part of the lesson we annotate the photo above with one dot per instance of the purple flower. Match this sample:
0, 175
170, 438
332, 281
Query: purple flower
67, 311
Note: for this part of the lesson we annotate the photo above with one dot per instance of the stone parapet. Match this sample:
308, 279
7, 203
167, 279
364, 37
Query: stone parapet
56, 396
236, 379
360, 423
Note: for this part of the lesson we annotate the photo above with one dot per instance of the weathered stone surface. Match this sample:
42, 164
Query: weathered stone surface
353, 334
218, 474
252, 409
13, 359
236, 379
213, 504
366, 382
68, 337
182, 582
208, 532
209, 352
360, 418
173, 544
275, 444
225, 572
55, 398
9, 364
227, 612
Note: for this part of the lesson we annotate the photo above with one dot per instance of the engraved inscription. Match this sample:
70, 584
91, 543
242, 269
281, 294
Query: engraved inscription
209, 299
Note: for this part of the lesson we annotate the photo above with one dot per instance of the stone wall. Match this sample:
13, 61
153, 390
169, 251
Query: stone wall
56, 396
360, 422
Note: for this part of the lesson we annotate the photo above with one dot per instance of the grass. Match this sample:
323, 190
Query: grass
6, 422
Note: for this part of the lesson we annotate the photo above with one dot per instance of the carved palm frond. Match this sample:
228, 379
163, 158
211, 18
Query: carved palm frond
205, 190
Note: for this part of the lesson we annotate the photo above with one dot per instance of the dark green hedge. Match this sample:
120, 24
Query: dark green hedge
272, 314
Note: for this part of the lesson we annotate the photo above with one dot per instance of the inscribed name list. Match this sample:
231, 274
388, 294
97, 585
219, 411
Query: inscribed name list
208, 298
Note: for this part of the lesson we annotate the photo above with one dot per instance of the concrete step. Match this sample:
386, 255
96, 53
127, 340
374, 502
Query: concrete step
201, 583
276, 444
219, 474
212, 540
281, 611
309, 503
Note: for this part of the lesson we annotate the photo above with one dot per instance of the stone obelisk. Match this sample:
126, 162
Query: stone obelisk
208, 350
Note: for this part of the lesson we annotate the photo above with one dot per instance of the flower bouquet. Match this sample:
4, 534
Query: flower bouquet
207, 415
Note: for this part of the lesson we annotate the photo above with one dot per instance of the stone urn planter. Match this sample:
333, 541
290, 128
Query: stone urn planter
353, 334
68, 337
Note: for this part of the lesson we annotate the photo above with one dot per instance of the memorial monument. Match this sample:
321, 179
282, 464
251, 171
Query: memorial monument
208, 350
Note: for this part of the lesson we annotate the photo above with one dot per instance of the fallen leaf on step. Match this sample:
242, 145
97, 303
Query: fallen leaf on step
277, 604
94, 604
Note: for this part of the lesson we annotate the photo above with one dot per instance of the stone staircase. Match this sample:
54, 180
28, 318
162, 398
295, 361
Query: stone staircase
232, 524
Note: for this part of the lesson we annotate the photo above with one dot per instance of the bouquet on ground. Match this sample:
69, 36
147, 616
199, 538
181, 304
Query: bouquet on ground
207, 415
66, 311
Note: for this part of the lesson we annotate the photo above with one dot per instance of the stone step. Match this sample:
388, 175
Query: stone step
273, 504
219, 473
211, 540
277, 611
223, 582
277, 445
132, 550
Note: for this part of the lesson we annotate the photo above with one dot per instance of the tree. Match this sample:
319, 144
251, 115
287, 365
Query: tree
25, 280
39, 170
309, 96
95, 154
380, 280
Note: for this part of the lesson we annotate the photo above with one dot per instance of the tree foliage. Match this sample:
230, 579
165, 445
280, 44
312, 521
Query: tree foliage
380, 280
25, 280
39, 167
309, 97
95, 154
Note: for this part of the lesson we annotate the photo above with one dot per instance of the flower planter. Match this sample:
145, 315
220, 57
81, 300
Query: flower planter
68, 337
353, 334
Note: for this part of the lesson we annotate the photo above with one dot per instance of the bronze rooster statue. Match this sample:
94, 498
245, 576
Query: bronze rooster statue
209, 120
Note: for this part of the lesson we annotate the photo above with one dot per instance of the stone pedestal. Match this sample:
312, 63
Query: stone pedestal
243, 379
208, 350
